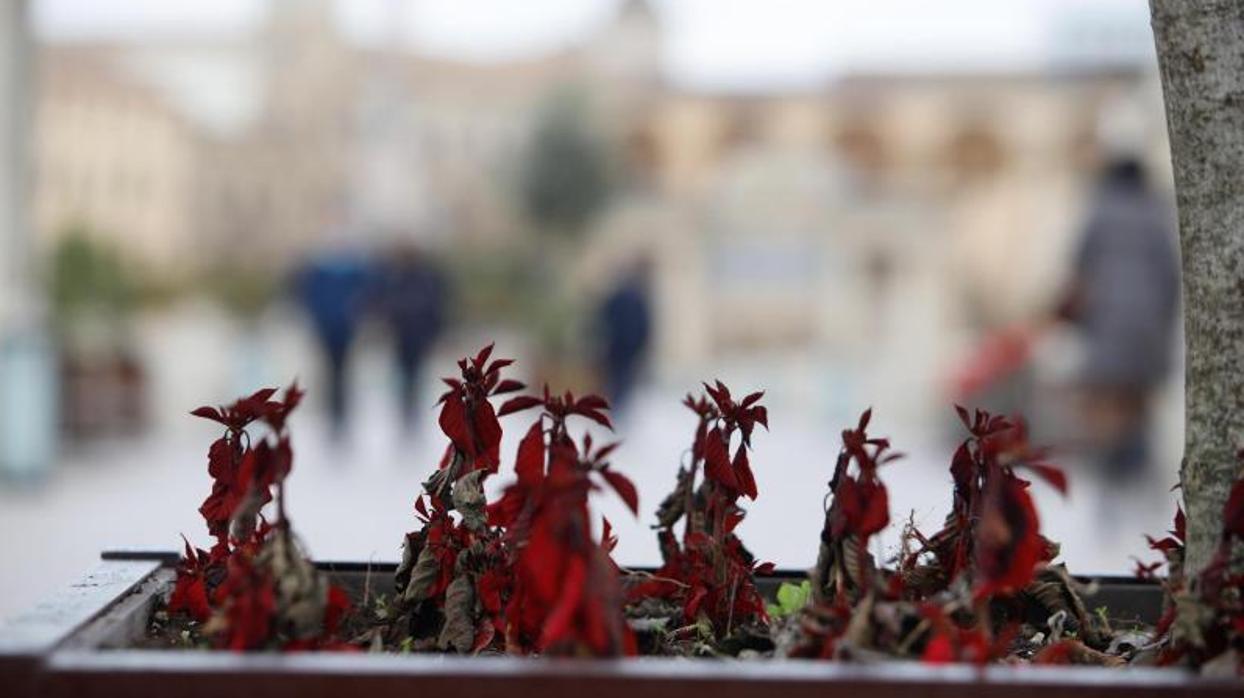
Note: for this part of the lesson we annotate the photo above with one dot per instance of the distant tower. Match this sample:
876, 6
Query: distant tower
389, 195
305, 64
628, 50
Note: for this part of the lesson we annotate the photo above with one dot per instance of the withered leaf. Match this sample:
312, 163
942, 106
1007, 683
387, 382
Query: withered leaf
422, 577
458, 633
468, 498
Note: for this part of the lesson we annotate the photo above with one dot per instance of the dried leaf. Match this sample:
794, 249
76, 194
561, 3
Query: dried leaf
423, 577
458, 633
468, 499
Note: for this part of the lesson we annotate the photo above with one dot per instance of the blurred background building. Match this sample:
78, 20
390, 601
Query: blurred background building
843, 207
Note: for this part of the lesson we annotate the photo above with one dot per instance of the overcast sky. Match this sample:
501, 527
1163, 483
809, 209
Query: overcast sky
707, 41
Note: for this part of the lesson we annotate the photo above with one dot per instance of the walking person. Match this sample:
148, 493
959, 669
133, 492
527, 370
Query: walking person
333, 288
412, 296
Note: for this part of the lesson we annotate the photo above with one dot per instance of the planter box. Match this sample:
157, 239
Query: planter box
75, 645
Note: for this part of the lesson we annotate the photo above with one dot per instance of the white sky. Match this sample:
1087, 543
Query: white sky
708, 41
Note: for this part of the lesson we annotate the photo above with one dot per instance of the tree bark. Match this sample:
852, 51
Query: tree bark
1200, 46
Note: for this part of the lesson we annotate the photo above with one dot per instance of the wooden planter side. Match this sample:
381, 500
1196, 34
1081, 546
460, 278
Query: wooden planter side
59, 649
75, 673
27, 639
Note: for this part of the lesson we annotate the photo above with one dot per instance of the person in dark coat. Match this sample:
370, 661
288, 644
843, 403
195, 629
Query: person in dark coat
625, 325
413, 295
334, 290
1124, 300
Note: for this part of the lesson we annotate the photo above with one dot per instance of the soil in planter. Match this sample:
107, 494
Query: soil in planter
375, 625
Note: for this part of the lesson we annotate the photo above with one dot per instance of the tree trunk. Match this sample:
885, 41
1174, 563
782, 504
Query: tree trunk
1200, 47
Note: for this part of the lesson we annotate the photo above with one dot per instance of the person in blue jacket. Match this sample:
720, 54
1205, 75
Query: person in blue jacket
624, 321
334, 289
412, 297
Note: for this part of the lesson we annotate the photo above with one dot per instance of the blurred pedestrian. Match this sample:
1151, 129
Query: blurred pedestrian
625, 325
1124, 299
413, 295
334, 290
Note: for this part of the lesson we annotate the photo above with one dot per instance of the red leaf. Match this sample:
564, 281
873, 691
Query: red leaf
865, 418
336, 606
488, 429
482, 356
599, 417
208, 413
1181, 524
507, 386
529, 465
939, 650
1057, 653
717, 462
1052, 475
743, 471
592, 402
875, 514
518, 404
558, 623
608, 540
1233, 511
963, 416
453, 424
761, 415
624, 487
498, 365
1008, 540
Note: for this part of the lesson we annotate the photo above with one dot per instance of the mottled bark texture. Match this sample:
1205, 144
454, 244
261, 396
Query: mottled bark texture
1201, 53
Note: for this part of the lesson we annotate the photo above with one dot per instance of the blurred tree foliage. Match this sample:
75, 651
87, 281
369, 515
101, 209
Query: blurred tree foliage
244, 292
565, 177
87, 277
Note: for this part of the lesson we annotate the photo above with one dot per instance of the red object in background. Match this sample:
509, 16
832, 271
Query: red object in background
996, 357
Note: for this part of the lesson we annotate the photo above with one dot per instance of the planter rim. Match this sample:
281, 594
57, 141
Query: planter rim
171, 557
57, 661
147, 661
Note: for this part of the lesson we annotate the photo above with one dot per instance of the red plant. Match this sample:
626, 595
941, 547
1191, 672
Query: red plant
455, 557
1204, 613
709, 573
190, 591
992, 534
567, 598
523, 571
236, 588
859, 510
224, 460
468, 419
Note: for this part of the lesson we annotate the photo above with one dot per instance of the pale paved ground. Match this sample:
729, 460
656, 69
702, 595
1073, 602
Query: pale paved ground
355, 502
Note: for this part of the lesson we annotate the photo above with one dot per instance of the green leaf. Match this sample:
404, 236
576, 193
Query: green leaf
791, 598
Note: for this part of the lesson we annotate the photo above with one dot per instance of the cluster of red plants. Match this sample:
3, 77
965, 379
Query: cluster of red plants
522, 574
254, 588
946, 588
708, 573
992, 536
